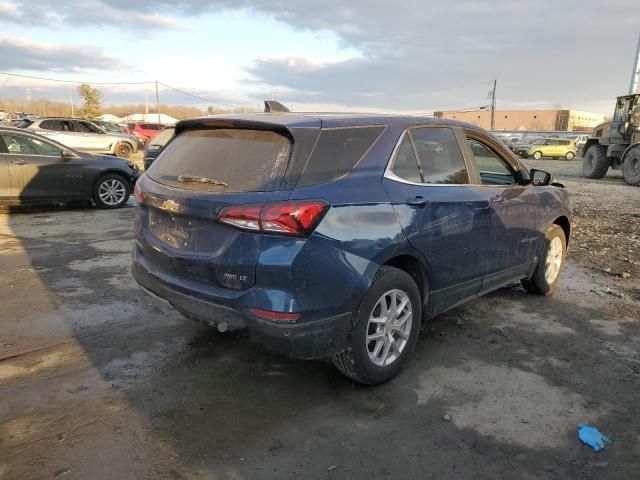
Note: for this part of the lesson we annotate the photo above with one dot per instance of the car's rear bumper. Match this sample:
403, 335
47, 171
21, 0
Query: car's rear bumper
311, 339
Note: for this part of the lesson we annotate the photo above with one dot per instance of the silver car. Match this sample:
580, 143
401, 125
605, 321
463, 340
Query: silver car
82, 135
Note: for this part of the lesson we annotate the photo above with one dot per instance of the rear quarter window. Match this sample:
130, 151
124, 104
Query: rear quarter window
337, 151
240, 160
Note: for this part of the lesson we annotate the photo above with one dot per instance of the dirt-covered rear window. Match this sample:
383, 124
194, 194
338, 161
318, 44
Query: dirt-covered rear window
224, 160
338, 150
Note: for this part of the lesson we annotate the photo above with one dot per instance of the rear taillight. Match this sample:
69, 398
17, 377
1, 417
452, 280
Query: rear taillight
287, 218
137, 193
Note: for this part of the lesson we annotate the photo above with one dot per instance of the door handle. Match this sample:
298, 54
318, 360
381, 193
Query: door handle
18, 162
418, 202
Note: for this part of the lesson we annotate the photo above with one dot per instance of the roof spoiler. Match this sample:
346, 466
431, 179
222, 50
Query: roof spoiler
271, 106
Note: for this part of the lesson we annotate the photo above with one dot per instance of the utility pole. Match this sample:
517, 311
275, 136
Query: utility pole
635, 73
71, 98
158, 102
492, 94
146, 104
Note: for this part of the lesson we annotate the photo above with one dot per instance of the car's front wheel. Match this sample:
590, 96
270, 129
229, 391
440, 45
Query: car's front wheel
537, 155
570, 156
111, 191
385, 330
547, 274
124, 149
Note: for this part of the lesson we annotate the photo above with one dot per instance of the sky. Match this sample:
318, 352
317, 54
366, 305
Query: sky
360, 55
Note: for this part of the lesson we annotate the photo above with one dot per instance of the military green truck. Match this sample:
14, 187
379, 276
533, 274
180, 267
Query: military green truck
616, 143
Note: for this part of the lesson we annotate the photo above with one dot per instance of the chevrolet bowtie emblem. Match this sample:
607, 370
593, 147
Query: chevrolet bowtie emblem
170, 206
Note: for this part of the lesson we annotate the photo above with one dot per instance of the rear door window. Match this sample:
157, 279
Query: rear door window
224, 160
50, 125
440, 156
337, 151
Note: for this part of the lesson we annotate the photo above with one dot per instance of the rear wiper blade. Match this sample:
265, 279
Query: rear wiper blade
191, 179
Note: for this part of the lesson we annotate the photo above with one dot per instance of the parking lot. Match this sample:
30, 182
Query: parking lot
100, 381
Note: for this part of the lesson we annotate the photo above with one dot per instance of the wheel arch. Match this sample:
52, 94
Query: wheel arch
108, 171
626, 150
589, 142
564, 223
416, 269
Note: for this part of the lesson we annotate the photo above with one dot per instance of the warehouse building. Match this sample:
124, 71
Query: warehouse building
530, 120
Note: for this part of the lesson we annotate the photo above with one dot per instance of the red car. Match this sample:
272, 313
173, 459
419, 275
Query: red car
146, 131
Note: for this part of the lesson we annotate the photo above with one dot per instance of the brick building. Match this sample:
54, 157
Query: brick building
530, 120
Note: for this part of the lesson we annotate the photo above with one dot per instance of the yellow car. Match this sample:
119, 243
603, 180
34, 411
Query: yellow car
552, 147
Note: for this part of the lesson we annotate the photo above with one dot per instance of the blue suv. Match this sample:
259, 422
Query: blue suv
340, 235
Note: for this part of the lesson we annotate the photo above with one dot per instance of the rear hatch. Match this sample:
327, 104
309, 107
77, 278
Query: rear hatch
208, 166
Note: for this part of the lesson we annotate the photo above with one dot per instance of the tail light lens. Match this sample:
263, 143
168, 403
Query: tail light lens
297, 218
137, 193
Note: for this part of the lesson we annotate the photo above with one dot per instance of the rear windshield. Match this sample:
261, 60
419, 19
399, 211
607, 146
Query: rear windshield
24, 123
338, 150
225, 160
162, 138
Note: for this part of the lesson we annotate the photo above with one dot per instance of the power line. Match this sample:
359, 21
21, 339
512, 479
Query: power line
76, 82
199, 97
72, 81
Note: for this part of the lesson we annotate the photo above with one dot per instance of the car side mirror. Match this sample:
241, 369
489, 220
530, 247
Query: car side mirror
66, 155
540, 178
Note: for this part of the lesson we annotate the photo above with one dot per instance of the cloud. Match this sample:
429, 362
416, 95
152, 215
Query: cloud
23, 54
413, 54
53, 13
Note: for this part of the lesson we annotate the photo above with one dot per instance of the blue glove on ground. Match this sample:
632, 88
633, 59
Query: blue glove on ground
592, 436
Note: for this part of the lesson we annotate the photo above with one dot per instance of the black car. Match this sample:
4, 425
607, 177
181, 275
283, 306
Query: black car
156, 145
37, 170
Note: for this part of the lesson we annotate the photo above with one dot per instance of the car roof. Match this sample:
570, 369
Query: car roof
324, 120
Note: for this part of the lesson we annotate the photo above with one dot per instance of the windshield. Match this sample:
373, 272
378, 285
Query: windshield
539, 141
162, 138
231, 160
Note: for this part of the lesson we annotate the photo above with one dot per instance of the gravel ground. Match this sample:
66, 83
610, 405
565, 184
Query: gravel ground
100, 381
606, 227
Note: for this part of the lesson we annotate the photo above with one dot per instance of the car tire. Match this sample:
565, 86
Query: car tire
547, 273
123, 149
595, 163
365, 361
537, 155
111, 191
570, 156
631, 166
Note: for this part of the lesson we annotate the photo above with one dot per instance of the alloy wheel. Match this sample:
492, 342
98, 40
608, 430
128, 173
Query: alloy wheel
553, 261
389, 327
112, 192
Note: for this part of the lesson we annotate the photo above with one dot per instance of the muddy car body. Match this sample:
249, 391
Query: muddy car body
307, 228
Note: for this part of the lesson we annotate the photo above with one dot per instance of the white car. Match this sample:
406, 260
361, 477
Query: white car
82, 135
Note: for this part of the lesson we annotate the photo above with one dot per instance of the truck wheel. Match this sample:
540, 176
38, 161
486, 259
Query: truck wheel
385, 329
595, 163
537, 155
547, 273
631, 166
570, 156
